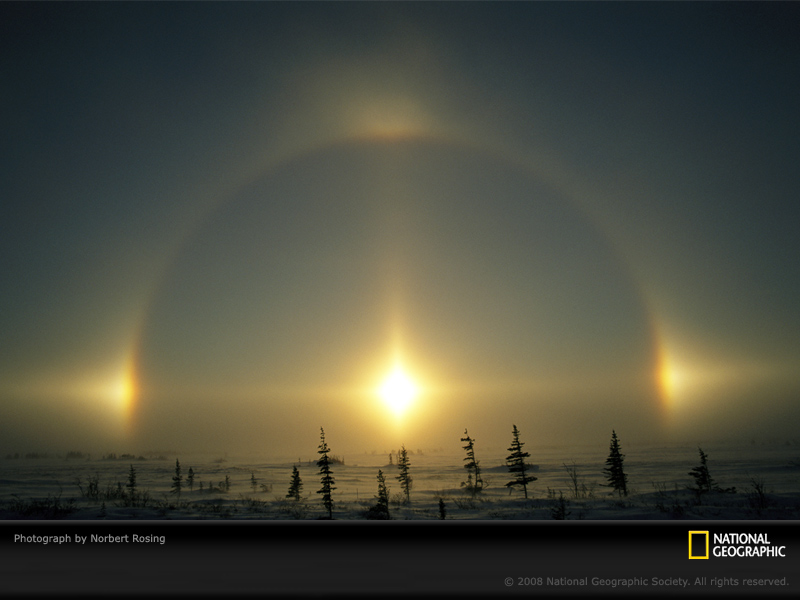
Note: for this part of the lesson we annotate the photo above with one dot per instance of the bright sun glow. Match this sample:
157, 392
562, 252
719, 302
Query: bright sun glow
398, 390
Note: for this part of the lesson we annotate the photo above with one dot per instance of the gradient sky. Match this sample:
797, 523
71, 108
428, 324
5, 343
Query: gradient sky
222, 224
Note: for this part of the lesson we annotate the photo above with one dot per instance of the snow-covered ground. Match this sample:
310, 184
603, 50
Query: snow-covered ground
766, 478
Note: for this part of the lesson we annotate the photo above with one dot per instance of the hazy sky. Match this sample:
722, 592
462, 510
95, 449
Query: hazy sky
222, 225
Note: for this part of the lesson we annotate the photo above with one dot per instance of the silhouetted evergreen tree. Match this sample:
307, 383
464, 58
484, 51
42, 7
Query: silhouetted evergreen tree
253, 482
381, 508
177, 480
404, 478
516, 464
615, 475
702, 478
131, 485
442, 509
295, 485
190, 479
474, 481
324, 464
383, 492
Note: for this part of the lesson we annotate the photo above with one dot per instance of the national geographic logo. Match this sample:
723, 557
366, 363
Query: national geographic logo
698, 544
732, 545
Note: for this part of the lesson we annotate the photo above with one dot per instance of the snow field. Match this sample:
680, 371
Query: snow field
766, 479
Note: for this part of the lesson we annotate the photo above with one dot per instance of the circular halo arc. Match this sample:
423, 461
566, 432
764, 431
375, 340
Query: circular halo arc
138, 387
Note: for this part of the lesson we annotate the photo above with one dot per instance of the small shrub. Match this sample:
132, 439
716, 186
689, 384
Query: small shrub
757, 497
252, 504
575, 482
115, 491
378, 512
293, 509
559, 510
666, 502
466, 503
51, 507
92, 488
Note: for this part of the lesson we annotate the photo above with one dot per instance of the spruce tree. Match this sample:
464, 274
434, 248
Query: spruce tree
177, 480
190, 479
380, 510
615, 475
404, 478
383, 495
324, 464
474, 481
253, 482
131, 485
702, 478
295, 485
516, 464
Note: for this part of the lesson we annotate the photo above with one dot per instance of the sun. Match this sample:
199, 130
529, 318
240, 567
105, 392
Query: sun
398, 390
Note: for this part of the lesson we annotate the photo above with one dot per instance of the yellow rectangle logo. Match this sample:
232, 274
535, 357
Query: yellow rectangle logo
698, 544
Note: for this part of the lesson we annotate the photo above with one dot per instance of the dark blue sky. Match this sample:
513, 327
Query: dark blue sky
569, 216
